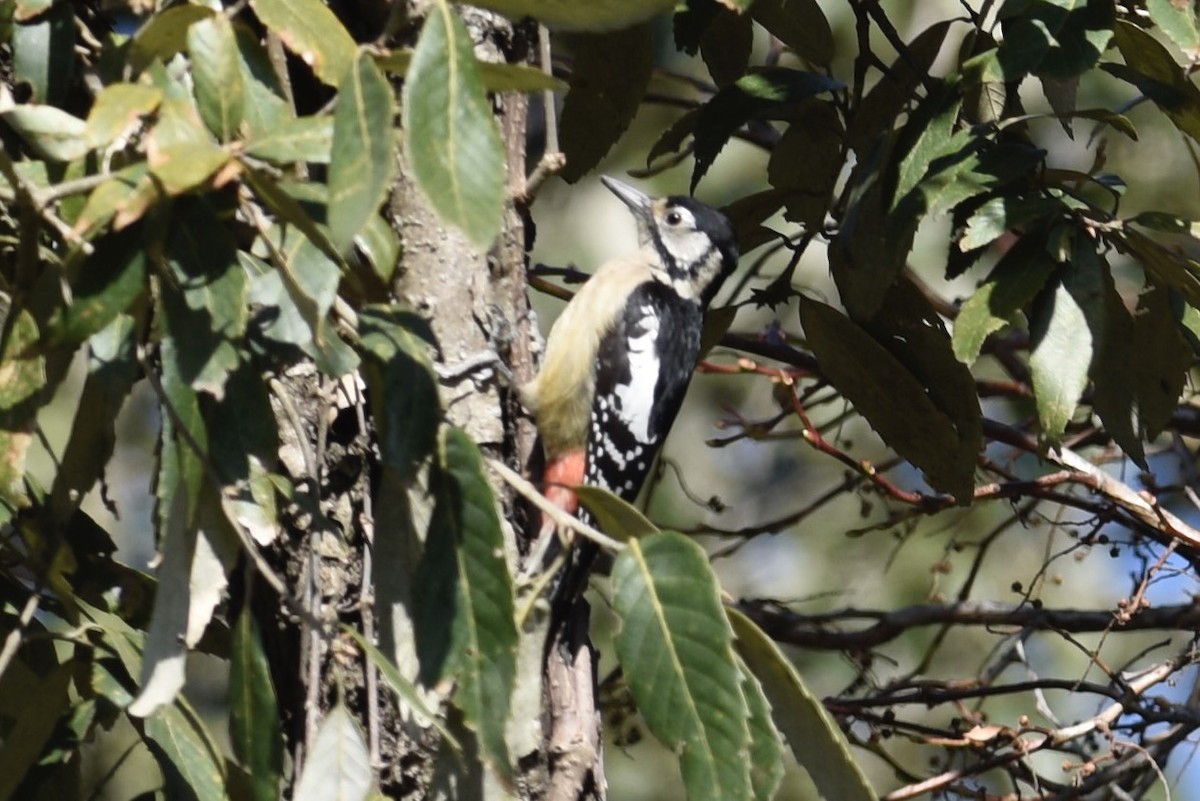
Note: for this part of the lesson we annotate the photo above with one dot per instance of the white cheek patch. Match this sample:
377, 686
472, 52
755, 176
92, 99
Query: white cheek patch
637, 397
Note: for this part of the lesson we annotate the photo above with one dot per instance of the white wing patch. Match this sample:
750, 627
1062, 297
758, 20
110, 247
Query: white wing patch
637, 397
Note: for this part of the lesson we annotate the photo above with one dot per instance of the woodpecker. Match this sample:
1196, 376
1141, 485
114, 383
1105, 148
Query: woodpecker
619, 357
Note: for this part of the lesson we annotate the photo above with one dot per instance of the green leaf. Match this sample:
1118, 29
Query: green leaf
675, 648
378, 243
192, 766
1066, 327
118, 109
179, 150
614, 516
757, 94
112, 369
307, 139
1000, 215
450, 136
338, 765
164, 34
726, 45
363, 157
22, 378
597, 15
1161, 360
766, 746
816, 741
881, 106
109, 281
497, 77
243, 449
911, 330
464, 564
1053, 38
1013, 284
43, 52
206, 302
217, 75
121, 200
887, 394
264, 107
404, 689
38, 714
608, 81
310, 30
1114, 371
799, 24
1169, 266
1178, 22
403, 386
1150, 67
806, 163
51, 133
254, 728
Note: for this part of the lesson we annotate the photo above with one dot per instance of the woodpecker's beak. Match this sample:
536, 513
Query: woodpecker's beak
638, 202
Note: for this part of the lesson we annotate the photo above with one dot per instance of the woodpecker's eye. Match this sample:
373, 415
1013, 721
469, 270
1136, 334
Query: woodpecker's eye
674, 218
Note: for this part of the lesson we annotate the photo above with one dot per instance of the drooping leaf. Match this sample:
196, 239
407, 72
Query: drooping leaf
881, 106
1013, 284
37, 714
22, 377
1162, 359
817, 743
726, 44
450, 137
217, 75
403, 386
109, 282
766, 745
911, 330
464, 570
112, 369
310, 30
1066, 327
363, 158
1113, 372
675, 648
1150, 67
806, 163
799, 24
608, 80
206, 303
254, 729
887, 394
403, 688
192, 766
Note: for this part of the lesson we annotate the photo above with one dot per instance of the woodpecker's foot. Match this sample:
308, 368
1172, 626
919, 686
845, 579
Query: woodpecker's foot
482, 365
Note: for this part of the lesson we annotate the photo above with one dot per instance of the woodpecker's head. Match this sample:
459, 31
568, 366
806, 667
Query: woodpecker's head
694, 244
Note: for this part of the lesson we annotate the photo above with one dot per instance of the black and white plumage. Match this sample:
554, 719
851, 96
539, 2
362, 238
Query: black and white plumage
619, 357
642, 371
